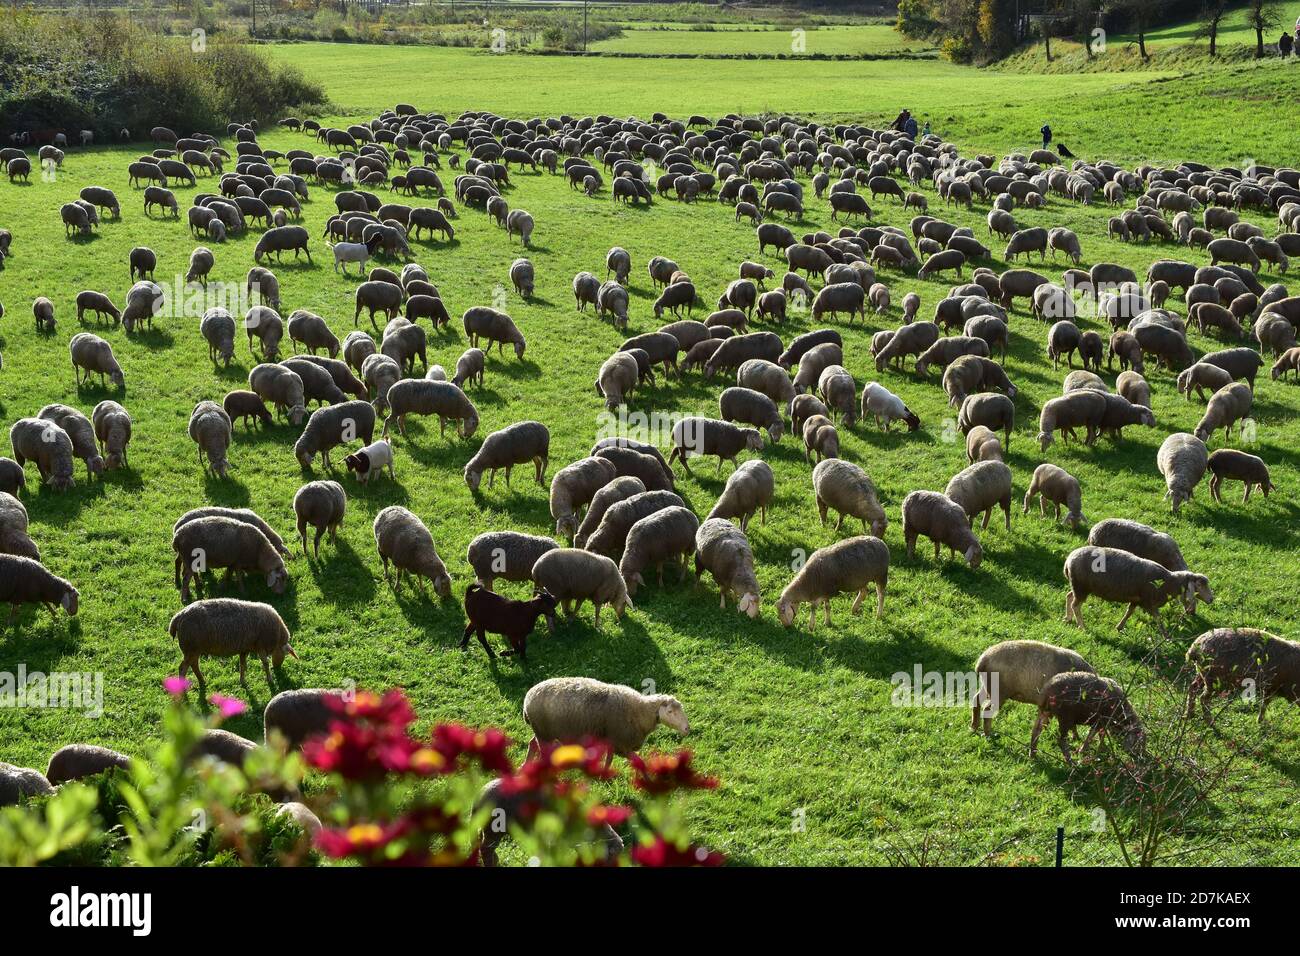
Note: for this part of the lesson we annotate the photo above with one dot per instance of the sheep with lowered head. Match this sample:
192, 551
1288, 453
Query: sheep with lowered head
980, 488
1017, 670
402, 539
1058, 486
851, 565
1122, 577
508, 555
300, 714
322, 505
211, 430
1076, 697
943, 521
573, 708
620, 489
666, 535
723, 549
225, 627
515, 444
79, 761
210, 543
1229, 658
1182, 460
91, 355
573, 576
573, 486
844, 487
749, 489
47, 444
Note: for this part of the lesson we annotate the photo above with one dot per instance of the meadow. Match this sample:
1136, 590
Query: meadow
875, 39
817, 766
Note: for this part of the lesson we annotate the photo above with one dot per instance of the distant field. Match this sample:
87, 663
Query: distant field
874, 39
1233, 29
799, 726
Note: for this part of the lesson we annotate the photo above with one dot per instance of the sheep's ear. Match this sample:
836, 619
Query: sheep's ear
67, 601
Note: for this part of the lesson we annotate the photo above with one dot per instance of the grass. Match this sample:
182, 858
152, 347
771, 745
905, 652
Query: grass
798, 725
767, 40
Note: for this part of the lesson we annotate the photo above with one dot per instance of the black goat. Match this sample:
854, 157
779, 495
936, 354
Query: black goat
490, 613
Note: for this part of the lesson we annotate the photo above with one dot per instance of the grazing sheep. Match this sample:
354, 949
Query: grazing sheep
202, 262
749, 489
572, 576
211, 431
1125, 578
982, 445
1083, 408
92, 354
415, 396
769, 379
301, 714
844, 487
695, 435
522, 277
943, 521
218, 329
19, 783
1240, 363
376, 295
312, 332
43, 312
24, 580
723, 550
815, 361
321, 504
493, 326
280, 239
820, 436
990, 410
571, 709
1132, 386
214, 541
469, 368
1018, 670
948, 349
1228, 463
100, 304
402, 539
1288, 362
225, 627
80, 431
47, 444
1099, 703
574, 486
14, 538
973, 373
666, 535
12, 478
738, 404
1230, 658
840, 393
1058, 486
509, 555
979, 488
1120, 412
1229, 405
617, 379
610, 536
804, 344
79, 761
620, 489
1200, 376
515, 444
851, 565
282, 387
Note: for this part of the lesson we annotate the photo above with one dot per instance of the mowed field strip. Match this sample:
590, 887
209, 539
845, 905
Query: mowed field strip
796, 725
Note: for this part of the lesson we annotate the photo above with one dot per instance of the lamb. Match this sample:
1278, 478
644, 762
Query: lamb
982, 445
979, 488
666, 534
723, 549
943, 521
1086, 408
296, 716
213, 542
402, 539
225, 627
92, 354
851, 565
749, 489
14, 538
92, 301
312, 332
493, 326
620, 489
491, 613
515, 444
574, 486
1226, 463
575, 708
371, 460
1229, 405
1129, 350
415, 396
695, 435
1099, 703
47, 444
211, 430
469, 368
509, 555
332, 426
1018, 670
1123, 577
844, 487
610, 536
321, 504
572, 576
1229, 658
80, 431
991, 410
79, 761
281, 386
218, 329
1058, 486
886, 408
753, 408
1134, 387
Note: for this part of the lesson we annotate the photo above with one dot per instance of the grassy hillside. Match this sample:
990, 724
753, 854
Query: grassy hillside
798, 725
871, 39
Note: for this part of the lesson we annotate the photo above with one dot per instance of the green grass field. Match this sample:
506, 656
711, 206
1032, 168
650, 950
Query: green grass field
798, 725
870, 39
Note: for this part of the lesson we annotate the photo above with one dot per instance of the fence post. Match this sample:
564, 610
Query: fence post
1060, 845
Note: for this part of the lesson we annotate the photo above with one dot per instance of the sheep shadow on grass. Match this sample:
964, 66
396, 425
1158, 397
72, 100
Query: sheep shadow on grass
153, 338
340, 573
226, 492
37, 639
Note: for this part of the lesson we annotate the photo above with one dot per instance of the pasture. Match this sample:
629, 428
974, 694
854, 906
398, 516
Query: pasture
799, 726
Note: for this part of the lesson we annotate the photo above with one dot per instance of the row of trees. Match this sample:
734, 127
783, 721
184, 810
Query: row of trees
984, 30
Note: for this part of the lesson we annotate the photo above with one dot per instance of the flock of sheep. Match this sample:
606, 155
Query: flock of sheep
617, 514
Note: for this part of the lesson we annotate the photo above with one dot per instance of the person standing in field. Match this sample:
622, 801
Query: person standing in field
925, 131
1284, 45
1047, 135
909, 127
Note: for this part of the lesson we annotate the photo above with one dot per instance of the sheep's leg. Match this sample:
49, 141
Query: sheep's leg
1246, 496
1043, 718
464, 643
1195, 688
1064, 741
1124, 620
203, 684
243, 661
857, 602
812, 616
266, 668
826, 606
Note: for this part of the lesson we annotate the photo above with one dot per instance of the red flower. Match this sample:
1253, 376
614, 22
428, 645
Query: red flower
487, 746
664, 773
614, 816
662, 853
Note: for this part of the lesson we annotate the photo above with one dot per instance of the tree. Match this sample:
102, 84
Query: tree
1212, 16
1261, 15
